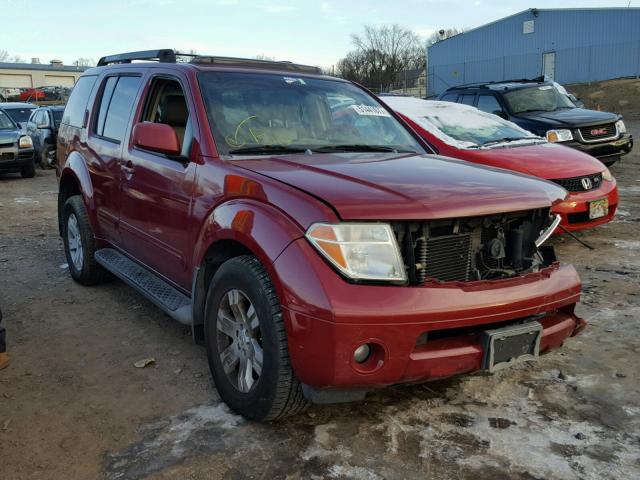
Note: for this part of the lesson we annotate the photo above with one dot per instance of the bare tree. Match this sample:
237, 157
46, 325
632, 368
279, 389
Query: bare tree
381, 53
4, 56
84, 62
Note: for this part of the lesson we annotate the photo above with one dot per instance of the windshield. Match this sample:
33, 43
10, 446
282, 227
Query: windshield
19, 115
262, 113
57, 116
5, 122
545, 98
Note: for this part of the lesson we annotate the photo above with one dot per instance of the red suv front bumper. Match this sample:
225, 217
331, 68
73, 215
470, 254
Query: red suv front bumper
327, 318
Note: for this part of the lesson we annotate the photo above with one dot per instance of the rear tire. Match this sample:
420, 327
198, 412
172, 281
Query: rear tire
29, 170
79, 243
251, 330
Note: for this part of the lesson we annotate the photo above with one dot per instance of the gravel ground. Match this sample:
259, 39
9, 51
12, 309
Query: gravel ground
73, 406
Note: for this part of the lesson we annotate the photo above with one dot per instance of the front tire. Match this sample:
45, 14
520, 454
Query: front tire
247, 343
44, 158
29, 170
79, 243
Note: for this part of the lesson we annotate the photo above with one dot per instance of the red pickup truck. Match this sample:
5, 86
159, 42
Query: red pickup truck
317, 254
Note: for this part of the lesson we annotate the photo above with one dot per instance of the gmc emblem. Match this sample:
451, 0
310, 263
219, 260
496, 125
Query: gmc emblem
598, 131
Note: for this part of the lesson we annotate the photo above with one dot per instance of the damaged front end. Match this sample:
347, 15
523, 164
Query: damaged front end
476, 248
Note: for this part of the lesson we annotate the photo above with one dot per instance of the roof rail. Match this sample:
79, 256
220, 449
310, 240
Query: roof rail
164, 55
171, 56
498, 82
254, 63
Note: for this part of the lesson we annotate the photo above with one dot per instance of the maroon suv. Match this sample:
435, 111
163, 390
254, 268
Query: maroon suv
312, 240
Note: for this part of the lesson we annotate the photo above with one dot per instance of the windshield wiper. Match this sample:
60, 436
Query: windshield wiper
503, 140
360, 148
267, 149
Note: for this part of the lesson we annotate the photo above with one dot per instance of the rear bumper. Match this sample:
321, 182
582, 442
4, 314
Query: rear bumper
608, 150
575, 209
327, 318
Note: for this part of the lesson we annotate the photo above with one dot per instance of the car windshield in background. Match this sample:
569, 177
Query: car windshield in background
5, 122
19, 115
545, 98
57, 116
469, 128
267, 113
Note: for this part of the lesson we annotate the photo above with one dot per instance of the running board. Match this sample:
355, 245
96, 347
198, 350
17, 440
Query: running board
173, 302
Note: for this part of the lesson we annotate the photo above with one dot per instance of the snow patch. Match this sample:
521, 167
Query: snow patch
356, 473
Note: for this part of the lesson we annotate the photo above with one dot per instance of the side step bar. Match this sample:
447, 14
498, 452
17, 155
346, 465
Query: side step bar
173, 302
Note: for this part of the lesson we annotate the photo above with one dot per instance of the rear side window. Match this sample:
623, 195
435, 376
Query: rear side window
449, 97
467, 99
115, 107
77, 103
489, 104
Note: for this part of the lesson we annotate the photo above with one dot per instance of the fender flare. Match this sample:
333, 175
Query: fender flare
75, 170
261, 228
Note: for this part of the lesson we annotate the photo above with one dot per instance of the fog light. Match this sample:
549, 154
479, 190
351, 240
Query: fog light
361, 354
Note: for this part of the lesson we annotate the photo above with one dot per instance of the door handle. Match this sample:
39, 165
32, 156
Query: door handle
128, 168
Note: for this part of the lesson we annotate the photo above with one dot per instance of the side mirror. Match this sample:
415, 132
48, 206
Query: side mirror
156, 137
500, 113
42, 125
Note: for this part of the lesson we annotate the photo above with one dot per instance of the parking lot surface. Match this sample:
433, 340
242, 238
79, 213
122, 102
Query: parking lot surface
74, 406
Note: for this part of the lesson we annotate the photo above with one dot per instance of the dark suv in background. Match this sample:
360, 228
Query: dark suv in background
42, 127
538, 106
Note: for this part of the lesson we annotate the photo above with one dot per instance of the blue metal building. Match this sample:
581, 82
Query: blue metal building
567, 45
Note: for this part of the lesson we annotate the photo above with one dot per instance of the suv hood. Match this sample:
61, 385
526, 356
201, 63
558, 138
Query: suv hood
380, 186
571, 117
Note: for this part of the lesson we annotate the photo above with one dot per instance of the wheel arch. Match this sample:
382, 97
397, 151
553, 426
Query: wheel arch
245, 227
76, 180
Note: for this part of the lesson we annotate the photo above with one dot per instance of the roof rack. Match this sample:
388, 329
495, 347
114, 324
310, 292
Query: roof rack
498, 82
171, 56
164, 56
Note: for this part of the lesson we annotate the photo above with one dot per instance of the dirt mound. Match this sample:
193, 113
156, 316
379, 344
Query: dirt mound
620, 96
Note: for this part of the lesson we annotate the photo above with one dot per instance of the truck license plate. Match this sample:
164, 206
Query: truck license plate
506, 346
598, 208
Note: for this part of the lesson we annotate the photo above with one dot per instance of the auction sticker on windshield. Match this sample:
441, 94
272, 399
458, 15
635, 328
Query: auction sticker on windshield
370, 111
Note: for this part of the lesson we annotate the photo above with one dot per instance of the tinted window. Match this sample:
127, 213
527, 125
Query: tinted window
117, 119
107, 92
57, 116
467, 99
489, 104
449, 97
77, 104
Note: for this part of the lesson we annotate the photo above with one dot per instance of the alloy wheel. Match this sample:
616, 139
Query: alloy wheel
239, 340
74, 241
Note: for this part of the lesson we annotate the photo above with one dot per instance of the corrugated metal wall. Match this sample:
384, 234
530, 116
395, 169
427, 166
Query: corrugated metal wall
590, 45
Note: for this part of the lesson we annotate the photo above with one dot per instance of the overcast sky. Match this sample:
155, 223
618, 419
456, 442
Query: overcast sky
313, 32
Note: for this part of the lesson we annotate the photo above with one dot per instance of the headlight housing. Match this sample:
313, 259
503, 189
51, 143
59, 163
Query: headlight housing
562, 135
622, 128
25, 142
606, 175
360, 251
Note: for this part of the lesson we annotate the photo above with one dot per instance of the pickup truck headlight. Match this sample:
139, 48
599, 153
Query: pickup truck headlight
606, 175
25, 142
360, 251
559, 135
622, 128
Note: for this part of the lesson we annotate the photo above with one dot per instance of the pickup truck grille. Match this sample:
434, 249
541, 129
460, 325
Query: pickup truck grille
580, 184
449, 258
599, 133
